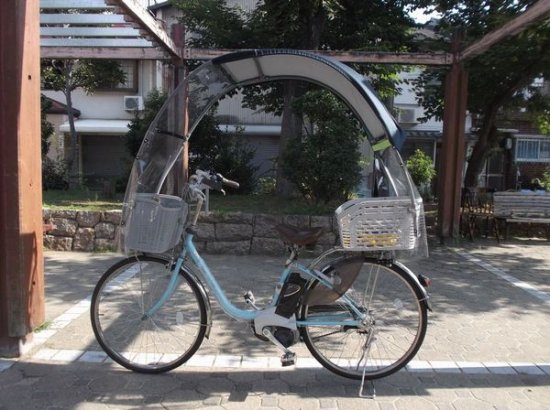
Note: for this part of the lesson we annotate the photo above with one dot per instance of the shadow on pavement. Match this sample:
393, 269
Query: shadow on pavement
38, 385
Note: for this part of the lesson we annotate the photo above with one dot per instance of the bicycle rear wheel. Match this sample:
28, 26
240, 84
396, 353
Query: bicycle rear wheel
131, 338
391, 333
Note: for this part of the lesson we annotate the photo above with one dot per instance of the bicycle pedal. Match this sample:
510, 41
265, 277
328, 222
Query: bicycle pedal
288, 359
250, 300
249, 297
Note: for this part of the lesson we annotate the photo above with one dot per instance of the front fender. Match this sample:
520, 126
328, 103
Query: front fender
187, 270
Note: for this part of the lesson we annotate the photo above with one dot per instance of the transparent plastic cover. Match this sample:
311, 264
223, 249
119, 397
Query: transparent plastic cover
159, 168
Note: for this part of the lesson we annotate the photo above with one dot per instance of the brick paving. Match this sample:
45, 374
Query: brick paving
486, 347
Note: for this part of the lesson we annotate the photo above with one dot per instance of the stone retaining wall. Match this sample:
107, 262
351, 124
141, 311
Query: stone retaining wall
232, 233
81, 230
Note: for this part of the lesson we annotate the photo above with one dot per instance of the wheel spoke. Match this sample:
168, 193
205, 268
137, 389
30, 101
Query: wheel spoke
318, 337
147, 344
392, 330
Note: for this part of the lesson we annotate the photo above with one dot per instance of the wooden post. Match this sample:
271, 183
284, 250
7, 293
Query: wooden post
452, 152
180, 71
21, 259
185, 130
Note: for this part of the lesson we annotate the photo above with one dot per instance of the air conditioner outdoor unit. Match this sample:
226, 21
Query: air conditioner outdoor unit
133, 103
407, 116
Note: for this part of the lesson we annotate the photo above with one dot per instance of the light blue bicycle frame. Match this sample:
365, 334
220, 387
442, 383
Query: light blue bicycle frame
240, 314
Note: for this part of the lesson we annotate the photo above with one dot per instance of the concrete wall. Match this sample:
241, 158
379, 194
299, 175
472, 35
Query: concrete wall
109, 104
406, 99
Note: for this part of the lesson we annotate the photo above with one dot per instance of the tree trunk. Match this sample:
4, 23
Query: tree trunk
475, 165
488, 133
74, 155
292, 124
74, 161
291, 127
488, 137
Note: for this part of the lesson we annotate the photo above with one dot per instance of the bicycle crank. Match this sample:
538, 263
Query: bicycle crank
289, 357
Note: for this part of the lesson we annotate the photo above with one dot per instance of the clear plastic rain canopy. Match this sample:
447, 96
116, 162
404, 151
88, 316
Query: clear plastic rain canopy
158, 167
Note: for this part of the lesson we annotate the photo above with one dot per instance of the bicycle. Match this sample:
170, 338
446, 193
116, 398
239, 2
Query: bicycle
362, 315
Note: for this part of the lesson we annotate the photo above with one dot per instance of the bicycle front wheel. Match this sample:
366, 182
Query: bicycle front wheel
392, 330
133, 335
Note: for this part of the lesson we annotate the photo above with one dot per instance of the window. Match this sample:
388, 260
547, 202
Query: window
130, 69
533, 150
544, 152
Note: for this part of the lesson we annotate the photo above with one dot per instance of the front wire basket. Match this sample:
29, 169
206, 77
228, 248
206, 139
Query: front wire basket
155, 223
379, 224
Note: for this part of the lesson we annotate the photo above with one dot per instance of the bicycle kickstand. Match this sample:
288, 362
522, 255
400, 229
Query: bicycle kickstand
362, 393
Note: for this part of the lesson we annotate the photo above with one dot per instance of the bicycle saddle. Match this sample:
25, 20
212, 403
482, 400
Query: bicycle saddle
298, 236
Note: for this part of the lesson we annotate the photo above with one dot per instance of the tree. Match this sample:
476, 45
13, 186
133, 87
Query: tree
422, 171
543, 122
500, 79
53, 172
212, 149
46, 127
224, 152
324, 163
142, 119
68, 75
302, 24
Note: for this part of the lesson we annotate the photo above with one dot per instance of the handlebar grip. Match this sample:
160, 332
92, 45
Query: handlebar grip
230, 183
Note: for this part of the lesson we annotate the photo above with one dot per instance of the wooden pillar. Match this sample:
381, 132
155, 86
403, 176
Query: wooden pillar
452, 152
185, 152
180, 72
21, 259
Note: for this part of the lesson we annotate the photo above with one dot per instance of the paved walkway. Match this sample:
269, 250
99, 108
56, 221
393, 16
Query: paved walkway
487, 345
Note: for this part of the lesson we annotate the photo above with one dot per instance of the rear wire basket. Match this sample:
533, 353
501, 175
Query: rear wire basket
155, 223
377, 224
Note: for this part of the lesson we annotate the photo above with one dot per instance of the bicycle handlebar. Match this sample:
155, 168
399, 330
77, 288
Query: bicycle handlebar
215, 181
228, 182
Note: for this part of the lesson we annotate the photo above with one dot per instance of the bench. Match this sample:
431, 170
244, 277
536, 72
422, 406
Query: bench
522, 207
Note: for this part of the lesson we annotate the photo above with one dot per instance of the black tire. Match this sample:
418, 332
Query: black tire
396, 323
142, 344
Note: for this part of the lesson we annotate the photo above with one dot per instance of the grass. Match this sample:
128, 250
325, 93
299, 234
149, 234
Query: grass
42, 327
93, 201
83, 200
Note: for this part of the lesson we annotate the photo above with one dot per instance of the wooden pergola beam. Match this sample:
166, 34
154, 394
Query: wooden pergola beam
536, 12
117, 53
344, 56
74, 4
140, 15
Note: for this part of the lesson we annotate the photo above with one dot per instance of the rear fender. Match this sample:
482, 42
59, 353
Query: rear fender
398, 265
414, 278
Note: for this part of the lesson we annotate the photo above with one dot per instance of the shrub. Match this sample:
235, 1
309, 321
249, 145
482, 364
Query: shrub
210, 148
266, 186
46, 127
422, 172
544, 181
420, 167
213, 149
324, 163
234, 161
142, 119
54, 174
